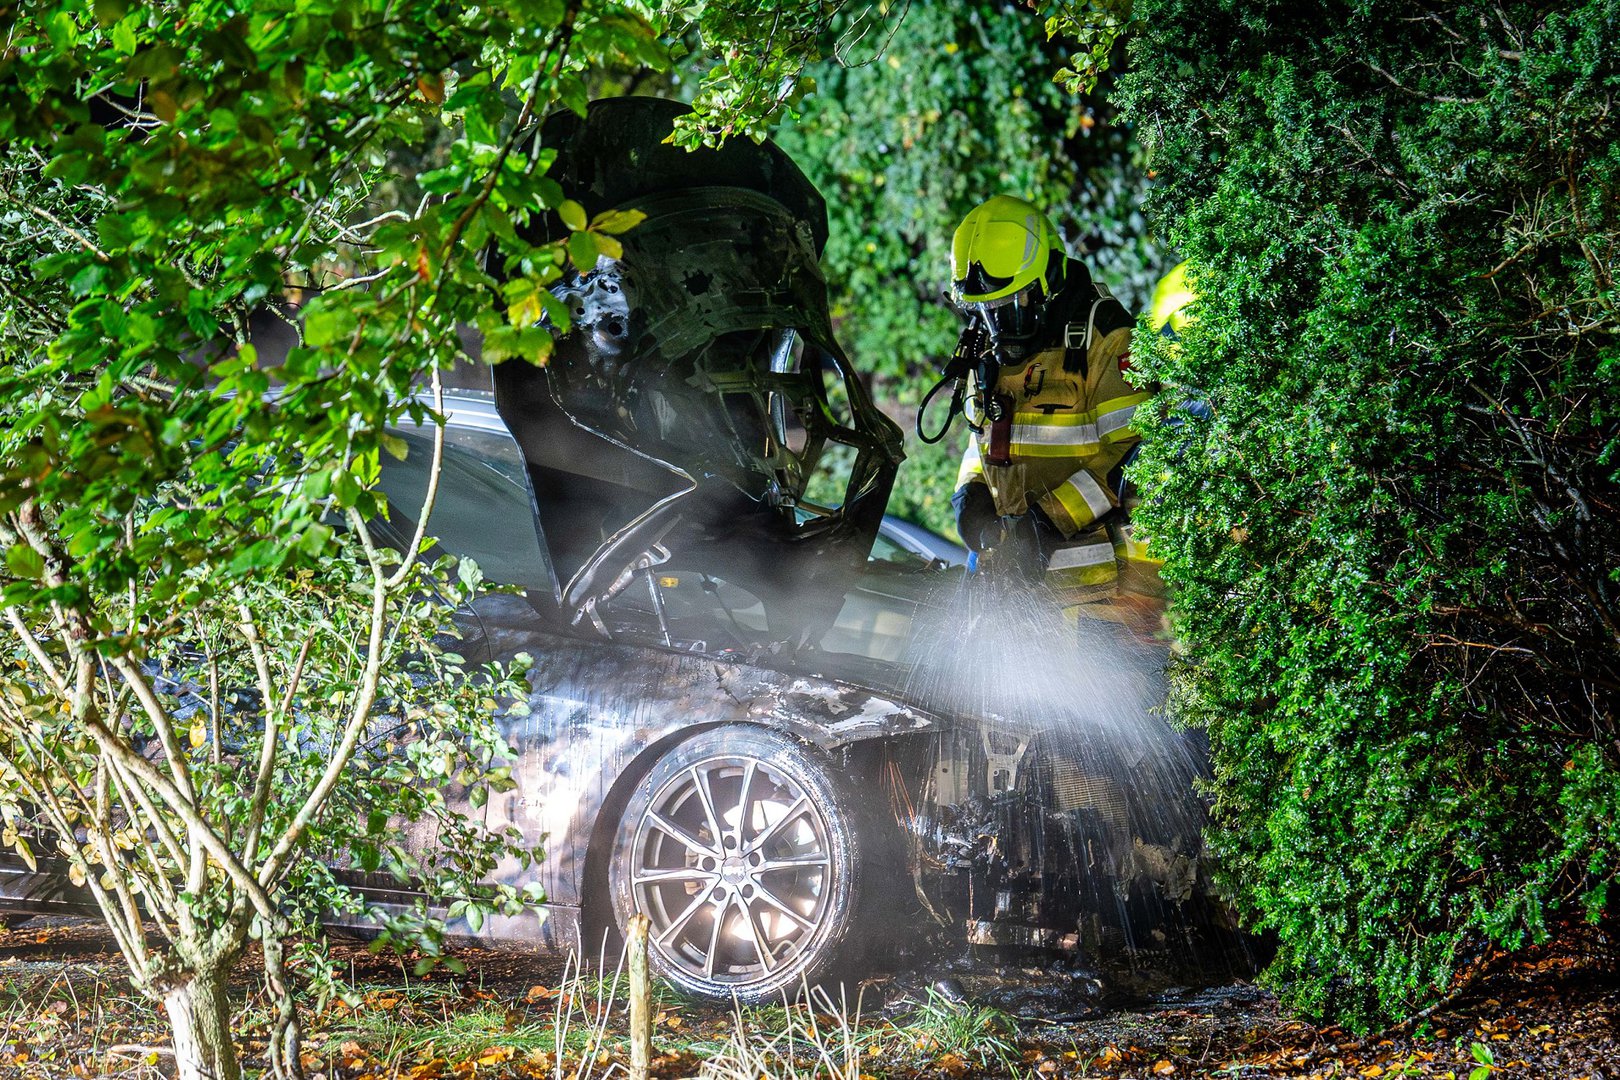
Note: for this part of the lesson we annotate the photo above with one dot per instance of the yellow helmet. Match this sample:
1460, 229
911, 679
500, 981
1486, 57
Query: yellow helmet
1006, 263
1172, 296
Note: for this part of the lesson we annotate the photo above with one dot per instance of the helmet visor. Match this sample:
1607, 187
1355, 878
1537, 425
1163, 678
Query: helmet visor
1014, 319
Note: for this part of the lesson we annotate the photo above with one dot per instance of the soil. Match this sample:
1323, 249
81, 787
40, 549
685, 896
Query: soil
1554, 1012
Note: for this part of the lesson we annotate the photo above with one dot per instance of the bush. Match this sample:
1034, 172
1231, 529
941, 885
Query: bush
1395, 539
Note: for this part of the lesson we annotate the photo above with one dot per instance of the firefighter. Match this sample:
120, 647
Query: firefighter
1168, 315
1034, 487
1172, 297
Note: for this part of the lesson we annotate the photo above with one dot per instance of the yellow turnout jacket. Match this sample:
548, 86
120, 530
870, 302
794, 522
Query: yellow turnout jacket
1072, 424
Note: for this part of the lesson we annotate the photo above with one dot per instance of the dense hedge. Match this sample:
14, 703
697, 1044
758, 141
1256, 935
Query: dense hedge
1396, 538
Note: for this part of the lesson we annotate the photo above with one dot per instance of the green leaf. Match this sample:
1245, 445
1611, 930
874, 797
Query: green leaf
24, 562
582, 250
123, 35
1482, 1054
475, 918
617, 221
25, 853
345, 487
572, 214
63, 31
312, 544
397, 447
329, 324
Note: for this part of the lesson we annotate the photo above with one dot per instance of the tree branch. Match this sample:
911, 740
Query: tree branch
37, 651
434, 470
273, 866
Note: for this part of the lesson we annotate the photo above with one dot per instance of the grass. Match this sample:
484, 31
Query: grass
819, 1038
979, 1036
397, 1029
574, 1028
76, 1013
815, 1039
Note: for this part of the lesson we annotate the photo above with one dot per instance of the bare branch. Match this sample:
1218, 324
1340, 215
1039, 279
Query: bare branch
273, 866
197, 827
46, 215
267, 752
159, 716
37, 651
434, 470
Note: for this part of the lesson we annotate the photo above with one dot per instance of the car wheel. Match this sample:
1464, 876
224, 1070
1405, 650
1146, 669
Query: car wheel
741, 848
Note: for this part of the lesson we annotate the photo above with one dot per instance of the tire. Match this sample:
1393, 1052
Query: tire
767, 907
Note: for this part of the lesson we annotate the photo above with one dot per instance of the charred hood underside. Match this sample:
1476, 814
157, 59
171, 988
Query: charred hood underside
697, 413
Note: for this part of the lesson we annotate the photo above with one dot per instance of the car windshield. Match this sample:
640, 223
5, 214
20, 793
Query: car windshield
887, 551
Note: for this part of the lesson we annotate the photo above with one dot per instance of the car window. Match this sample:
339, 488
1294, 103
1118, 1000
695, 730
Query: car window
885, 550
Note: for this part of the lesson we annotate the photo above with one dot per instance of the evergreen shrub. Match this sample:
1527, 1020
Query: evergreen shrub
1395, 536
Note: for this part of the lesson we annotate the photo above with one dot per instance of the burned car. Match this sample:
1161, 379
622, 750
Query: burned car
794, 739
735, 725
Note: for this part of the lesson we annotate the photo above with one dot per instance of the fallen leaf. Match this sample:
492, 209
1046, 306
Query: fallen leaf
495, 1055
1163, 1068
428, 1070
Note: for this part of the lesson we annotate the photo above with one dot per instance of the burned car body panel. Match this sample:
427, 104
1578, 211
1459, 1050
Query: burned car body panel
597, 713
682, 416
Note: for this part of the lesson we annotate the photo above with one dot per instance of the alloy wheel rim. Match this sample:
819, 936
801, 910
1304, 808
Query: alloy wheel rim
732, 864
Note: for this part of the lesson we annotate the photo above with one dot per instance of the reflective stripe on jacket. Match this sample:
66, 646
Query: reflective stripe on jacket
1083, 568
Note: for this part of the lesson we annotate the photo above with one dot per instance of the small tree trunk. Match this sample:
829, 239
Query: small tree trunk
640, 999
200, 1016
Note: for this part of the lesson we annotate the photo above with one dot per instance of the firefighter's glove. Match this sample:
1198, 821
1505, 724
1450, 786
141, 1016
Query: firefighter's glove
976, 520
1016, 550
1011, 549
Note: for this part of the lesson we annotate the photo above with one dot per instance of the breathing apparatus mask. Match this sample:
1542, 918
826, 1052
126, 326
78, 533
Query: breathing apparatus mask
1000, 331
1013, 323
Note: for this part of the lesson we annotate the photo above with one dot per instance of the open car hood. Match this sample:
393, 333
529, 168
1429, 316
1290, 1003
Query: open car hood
697, 414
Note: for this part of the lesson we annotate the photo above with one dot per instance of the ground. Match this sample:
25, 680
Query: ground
66, 1011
